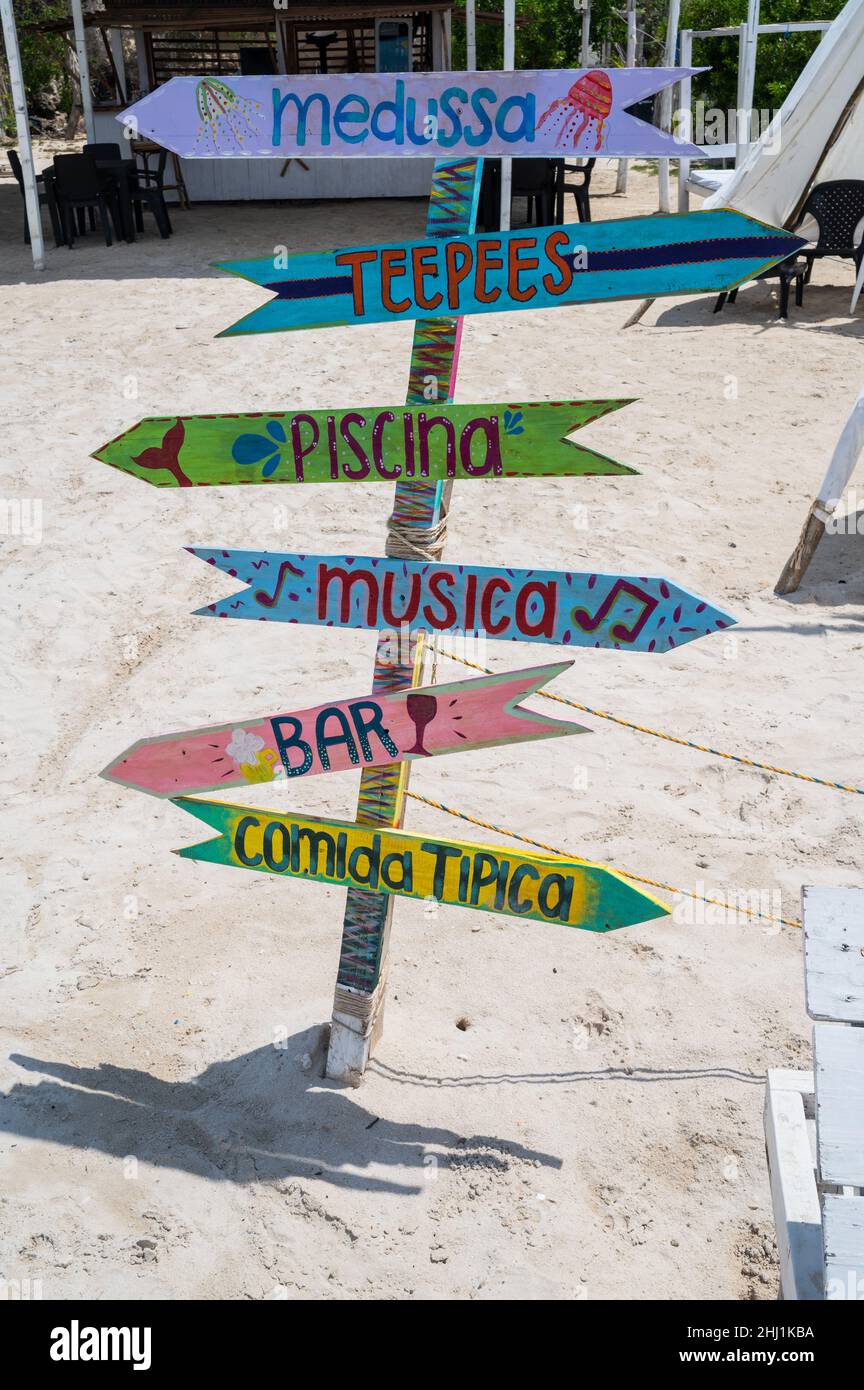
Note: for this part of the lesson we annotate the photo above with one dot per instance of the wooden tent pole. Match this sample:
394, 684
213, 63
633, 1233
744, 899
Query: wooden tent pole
846, 454
844, 116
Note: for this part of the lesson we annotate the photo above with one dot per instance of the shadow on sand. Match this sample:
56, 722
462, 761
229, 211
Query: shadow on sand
757, 306
255, 1118
835, 575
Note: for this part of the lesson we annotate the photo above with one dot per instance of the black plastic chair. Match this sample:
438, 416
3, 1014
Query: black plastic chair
836, 207
78, 187
147, 190
788, 273
104, 151
46, 198
489, 202
536, 180
97, 151
579, 190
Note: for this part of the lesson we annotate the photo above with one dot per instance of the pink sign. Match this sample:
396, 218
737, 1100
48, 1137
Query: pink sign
371, 731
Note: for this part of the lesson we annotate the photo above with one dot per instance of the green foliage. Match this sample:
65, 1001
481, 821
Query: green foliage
43, 59
553, 39
780, 58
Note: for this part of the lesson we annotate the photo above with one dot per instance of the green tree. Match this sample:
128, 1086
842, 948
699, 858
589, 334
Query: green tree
780, 57
552, 38
43, 59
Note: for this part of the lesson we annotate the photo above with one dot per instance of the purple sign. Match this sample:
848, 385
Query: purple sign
440, 114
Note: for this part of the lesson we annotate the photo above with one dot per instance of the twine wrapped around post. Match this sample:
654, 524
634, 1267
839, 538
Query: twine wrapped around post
417, 542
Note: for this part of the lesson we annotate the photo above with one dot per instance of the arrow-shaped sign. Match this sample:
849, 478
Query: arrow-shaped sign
634, 258
439, 114
366, 444
565, 609
490, 878
368, 731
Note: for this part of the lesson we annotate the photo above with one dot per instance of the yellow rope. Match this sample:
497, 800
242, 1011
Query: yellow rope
670, 738
635, 878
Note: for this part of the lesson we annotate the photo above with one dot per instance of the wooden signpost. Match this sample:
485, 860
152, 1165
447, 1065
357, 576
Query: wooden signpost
565, 608
424, 446
443, 114
491, 878
368, 731
416, 528
534, 268
365, 444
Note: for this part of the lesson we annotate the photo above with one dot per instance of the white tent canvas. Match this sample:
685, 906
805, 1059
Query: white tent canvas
825, 105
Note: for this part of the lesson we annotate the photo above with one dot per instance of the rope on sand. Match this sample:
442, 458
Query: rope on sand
635, 878
671, 738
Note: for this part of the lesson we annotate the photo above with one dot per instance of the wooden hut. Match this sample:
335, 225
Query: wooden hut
147, 42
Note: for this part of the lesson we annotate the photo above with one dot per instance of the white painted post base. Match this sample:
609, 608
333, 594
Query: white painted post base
356, 1026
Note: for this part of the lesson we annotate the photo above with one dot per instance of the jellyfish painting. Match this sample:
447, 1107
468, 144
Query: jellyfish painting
222, 112
589, 99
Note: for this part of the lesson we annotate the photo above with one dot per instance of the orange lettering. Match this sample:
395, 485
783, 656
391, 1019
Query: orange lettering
485, 263
392, 266
550, 284
456, 273
517, 264
420, 258
356, 260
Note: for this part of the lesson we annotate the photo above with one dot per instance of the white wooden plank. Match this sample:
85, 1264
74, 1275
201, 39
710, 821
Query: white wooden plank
838, 1055
834, 949
843, 1233
793, 1191
800, 1081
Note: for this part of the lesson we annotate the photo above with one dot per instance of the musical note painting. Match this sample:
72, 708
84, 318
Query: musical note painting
565, 609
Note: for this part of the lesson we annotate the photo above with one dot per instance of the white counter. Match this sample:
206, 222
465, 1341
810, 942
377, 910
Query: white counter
237, 180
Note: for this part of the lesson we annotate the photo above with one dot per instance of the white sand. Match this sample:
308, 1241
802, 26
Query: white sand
597, 1130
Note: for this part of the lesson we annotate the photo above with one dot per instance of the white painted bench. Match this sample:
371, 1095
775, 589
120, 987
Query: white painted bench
814, 1121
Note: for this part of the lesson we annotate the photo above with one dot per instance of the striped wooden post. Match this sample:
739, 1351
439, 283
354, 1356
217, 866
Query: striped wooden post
416, 528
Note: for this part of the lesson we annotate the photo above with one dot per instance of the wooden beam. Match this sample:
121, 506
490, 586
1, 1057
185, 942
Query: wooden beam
843, 1238
630, 62
834, 953
119, 85
838, 1057
672, 20
794, 1195
83, 68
